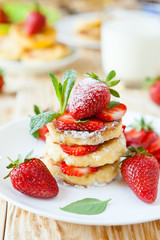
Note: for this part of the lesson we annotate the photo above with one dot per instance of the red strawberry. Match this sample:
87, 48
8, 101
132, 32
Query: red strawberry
67, 122
34, 23
141, 134
3, 17
89, 98
32, 177
42, 132
79, 150
154, 92
141, 173
113, 113
155, 146
77, 171
1, 83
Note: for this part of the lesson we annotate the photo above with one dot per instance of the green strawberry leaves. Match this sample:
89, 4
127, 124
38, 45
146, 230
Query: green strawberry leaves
107, 81
87, 206
148, 82
142, 124
132, 151
20, 159
63, 91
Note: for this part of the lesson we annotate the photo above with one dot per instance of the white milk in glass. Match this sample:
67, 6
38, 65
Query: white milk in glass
130, 44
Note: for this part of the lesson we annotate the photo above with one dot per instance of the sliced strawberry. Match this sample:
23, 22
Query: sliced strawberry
77, 171
67, 122
42, 132
150, 137
114, 113
134, 137
79, 150
155, 146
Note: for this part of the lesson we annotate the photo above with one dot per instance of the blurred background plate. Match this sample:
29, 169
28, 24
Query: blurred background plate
67, 26
38, 67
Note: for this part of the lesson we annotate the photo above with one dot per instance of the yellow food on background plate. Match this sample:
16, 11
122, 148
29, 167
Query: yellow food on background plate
89, 30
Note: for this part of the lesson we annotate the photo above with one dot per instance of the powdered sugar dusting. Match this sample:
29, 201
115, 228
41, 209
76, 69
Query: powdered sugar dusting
86, 134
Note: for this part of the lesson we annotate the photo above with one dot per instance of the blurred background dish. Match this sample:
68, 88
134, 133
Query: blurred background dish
80, 30
34, 62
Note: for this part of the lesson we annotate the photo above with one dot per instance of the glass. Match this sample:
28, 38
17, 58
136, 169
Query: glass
130, 44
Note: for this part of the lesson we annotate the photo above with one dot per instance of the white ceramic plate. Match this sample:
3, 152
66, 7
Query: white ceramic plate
66, 28
125, 207
40, 67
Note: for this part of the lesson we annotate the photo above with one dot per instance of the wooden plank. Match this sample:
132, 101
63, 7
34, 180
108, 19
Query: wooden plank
22, 225
3, 214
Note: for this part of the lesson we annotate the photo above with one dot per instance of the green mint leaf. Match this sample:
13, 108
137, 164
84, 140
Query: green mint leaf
114, 92
81, 121
69, 79
96, 77
113, 83
41, 119
112, 104
110, 75
36, 110
58, 88
36, 134
86, 206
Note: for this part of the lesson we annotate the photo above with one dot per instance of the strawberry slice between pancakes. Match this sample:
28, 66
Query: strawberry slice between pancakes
77, 171
67, 122
113, 113
78, 150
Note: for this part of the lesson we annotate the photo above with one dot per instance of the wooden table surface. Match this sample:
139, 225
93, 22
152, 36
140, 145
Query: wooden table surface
21, 92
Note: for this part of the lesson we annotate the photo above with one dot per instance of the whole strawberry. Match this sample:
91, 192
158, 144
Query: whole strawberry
140, 171
154, 89
30, 176
35, 22
92, 95
1, 80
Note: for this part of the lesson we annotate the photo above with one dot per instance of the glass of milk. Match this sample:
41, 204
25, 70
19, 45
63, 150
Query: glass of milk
130, 44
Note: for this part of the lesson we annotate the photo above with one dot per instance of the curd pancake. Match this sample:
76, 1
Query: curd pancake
9, 49
55, 51
106, 153
42, 39
105, 174
90, 30
111, 130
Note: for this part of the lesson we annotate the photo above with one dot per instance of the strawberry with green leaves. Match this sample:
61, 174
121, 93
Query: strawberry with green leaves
140, 171
31, 177
34, 22
92, 95
63, 91
141, 133
154, 88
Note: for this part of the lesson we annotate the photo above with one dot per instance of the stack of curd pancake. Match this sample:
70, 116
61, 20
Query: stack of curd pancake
84, 144
33, 40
